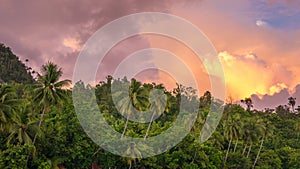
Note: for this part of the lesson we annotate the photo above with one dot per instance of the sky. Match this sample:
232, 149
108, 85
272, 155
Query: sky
256, 41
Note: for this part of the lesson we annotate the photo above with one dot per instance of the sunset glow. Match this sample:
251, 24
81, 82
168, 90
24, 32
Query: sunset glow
257, 41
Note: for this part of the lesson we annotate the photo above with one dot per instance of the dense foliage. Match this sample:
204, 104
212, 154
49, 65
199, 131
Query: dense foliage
12, 69
40, 129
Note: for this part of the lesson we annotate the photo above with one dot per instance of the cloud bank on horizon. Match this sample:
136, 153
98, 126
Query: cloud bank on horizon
257, 41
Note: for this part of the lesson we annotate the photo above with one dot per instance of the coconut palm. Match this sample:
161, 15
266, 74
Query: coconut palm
25, 126
134, 154
292, 102
8, 105
267, 132
232, 129
49, 90
248, 102
158, 104
137, 96
253, 130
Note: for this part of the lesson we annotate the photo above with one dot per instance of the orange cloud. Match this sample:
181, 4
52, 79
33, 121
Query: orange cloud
256, 59
72, 43
246, 75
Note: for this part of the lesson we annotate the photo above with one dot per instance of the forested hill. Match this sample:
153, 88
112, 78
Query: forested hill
12, 69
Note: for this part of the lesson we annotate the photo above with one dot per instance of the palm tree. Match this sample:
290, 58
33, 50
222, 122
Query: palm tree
292, 102
137, 96
49, 90
267, 132
239, 127
231, 131
248, 102
134, 154
8, 104
253, 129
158, 104
25, 126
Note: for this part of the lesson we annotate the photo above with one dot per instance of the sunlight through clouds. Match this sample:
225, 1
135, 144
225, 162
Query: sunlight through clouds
247, 75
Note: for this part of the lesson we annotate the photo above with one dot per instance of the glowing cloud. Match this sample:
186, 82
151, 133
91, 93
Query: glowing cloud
247, 74
72, 43
277, 88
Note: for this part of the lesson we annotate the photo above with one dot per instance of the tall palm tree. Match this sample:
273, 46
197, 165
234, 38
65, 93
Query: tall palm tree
8, 105
158, 104
239, 128
248, 102
134, 153
292, 102
267, 132
253, 129
49, 90
137, 96
231, 131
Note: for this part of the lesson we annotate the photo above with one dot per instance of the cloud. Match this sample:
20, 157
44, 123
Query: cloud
56, 30
248, 74
280, 97
260, 61
72, 43
270, 101
277, 88
261, 23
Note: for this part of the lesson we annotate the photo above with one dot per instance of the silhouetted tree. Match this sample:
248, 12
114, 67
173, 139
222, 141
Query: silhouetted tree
248, 102
292, 102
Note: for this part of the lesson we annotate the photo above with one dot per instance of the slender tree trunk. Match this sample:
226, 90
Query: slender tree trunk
96, 151
40, 123
244, 149
260, 147
194, 156
35, 136
228, 150
130, 165
149, 126
249, 150
237, 140
293, 108
124, 131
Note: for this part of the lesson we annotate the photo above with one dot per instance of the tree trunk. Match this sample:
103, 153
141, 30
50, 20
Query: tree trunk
40, 123
260, 147
148, 129
244, 149
194, 156
237, 140
130, 164
249, 150
124, 131
228, 150
35, 136
96, 151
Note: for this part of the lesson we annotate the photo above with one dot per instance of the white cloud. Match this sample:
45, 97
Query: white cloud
261, 23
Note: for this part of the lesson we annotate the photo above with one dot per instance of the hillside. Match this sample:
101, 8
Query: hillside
11, 68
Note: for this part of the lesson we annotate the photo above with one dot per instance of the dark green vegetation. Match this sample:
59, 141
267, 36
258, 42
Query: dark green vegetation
12, 69
39, 129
